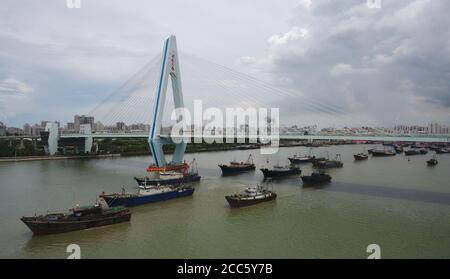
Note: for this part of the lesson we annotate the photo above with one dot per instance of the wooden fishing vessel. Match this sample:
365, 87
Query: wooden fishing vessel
77, 218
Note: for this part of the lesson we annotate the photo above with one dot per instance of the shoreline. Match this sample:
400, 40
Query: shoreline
129, 154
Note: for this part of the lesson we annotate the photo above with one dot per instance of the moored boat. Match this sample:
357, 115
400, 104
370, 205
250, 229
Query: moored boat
316, 178
412, 152
250, 196
398, 149
383, 152
235, 167
442, 151
77, 218
361, 157
147, 194
279, 171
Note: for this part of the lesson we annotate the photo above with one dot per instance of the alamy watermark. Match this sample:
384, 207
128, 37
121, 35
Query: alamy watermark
213, 125
73, 4
74, 251
375, 252
374, 4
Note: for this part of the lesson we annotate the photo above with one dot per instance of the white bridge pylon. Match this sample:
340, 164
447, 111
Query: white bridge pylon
170, 67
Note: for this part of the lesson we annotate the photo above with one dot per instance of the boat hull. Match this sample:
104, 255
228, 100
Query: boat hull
235, 202
412, 153
56, 227
300, 160
175, 181
376, 153
360, 157
276, 174
314, 180
328, 164
228, 170
136, 200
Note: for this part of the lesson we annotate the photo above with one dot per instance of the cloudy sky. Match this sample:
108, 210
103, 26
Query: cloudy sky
387, 65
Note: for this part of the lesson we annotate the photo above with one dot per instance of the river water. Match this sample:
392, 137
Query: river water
403, 206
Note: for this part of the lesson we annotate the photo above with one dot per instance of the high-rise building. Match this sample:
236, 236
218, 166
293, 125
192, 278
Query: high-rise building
82, 119
2, 129
70, 126
27, 129
36, 130
120, 126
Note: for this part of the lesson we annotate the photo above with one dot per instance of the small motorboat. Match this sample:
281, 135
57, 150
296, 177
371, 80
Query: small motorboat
316, 178
251, 196
361, 156
235, 167
432, 162
423, 151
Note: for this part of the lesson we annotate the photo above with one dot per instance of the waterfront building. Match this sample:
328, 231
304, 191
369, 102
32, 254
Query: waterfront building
82, 119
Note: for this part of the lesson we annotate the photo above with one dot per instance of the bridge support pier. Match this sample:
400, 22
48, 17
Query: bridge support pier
170, 68
53, 137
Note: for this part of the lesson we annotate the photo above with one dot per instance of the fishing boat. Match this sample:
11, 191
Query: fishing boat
168, 178
300, 159
315, 160
250, 196
235, 167
383, 152
280, 171
77, 218
361, 156
432, 162
170, 175
316, 178
329, 164
423, 151
147, 194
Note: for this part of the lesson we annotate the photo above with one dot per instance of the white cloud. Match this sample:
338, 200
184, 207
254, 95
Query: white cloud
12, 86
370, 62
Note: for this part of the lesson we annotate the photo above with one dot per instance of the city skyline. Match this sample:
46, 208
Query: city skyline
97, 126
378, 66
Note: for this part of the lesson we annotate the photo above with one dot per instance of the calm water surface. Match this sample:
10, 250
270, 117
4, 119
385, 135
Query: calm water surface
401, 205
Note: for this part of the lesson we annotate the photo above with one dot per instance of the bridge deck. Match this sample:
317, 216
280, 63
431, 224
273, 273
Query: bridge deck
396, 138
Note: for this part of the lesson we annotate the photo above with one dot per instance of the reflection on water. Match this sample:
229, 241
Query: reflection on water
388, 192
404, 206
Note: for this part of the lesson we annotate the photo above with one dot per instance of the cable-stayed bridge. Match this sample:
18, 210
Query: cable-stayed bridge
142, 99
